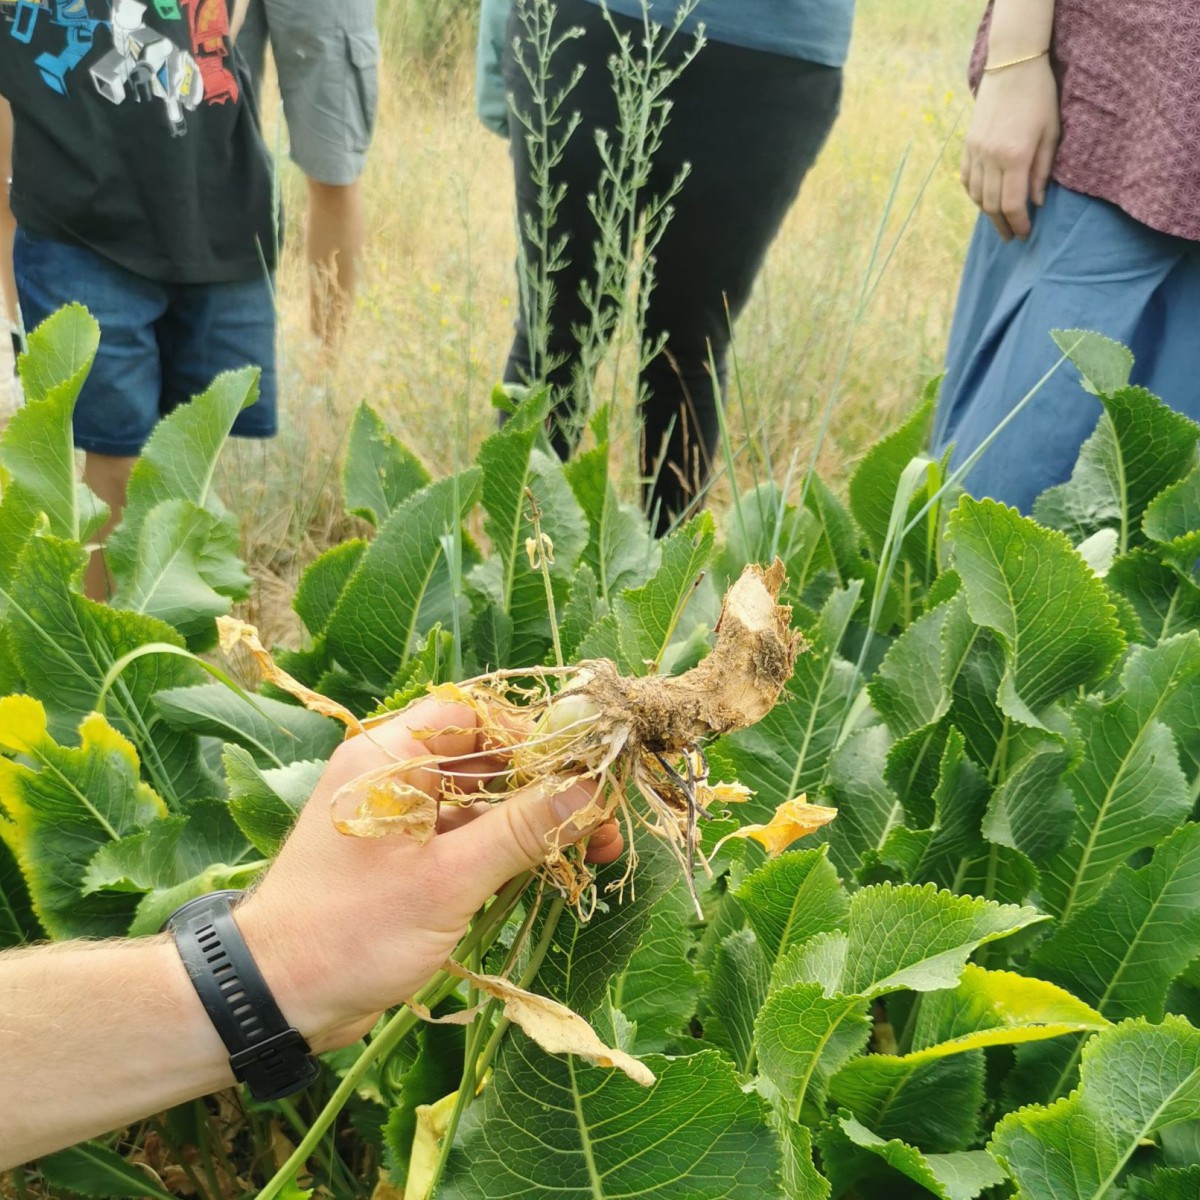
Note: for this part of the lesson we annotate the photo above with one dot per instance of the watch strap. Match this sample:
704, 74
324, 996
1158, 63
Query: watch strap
265, 1052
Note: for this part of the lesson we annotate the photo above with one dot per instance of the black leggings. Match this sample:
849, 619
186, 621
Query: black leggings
750, 125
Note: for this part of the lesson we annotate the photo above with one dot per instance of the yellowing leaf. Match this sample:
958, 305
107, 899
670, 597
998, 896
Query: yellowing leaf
432, 1123
377, 804
715, 795
22, 724
793, 820
553, 1026
234, 633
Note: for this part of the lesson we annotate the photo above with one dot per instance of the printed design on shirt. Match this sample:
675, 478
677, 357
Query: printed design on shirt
142, 64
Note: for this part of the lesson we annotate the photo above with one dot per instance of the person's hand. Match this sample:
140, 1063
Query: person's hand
346, 927
1011, 144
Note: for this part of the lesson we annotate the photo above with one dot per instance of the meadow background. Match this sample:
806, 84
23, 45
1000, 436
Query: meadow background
853, 305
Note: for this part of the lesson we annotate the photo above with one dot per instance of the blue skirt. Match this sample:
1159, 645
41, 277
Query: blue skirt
1086, 265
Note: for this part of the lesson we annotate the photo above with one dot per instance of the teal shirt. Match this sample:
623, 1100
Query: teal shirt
816, 30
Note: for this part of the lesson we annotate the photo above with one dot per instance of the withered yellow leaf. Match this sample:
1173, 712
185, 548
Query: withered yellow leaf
432, 1122
554, 1026
378, 803
793, 820
234, 633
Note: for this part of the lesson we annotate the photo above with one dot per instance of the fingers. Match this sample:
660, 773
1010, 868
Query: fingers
1043, 164
606, 844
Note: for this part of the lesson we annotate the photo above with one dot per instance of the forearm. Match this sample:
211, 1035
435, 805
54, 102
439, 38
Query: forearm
94, 1037
1019, 28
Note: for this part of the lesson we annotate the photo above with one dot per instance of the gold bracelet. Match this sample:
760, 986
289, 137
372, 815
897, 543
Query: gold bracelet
1016, 62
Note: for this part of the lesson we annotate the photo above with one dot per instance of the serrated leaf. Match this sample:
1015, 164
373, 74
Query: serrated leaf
491, 635
379, 473
1029, 585
1104, 364
581, 612
274, 732
17, 922
906, 693
1135, 1080
854, 1155
402, 586
1033, 809
1172, 518
1165, 599
265, 803
1169, 1183
62, 806
602, 1142
323, 582
91, 1169
788, 751
801, 1179
1139, 447
868, 809
841, 536
1128, 788
738, 980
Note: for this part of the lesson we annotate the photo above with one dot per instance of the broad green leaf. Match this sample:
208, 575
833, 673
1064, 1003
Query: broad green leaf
903, 937
324, 581
552, 1128
909, 690
1172, 519
264, 803
432, 664
1033, 810
658, 988
274, 732
1029, 585
738, 981
179, 461
402, 579
1104, 364
1169, 1183
788, 751
491, 635
1121, 953
66, 646
379, 473
1139, 447
91, 1169
647, 616
581, 612
931, 1102
17, 922
186, 571
842, 538
1128, 788
868, 809
1135, 1080
875, 480
804, 1036
1165, 599
620, 550
62, 806
801, 1179
791, 898
854, 1156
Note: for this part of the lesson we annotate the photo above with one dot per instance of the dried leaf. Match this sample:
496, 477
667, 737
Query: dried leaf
432, 1122
793, 820
378, 803
716, 795
234, 633
554, 1026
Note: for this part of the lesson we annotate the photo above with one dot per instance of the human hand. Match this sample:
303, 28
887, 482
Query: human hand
1011, 144
346, 927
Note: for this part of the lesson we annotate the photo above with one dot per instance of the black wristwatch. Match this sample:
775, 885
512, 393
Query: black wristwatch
265, 1052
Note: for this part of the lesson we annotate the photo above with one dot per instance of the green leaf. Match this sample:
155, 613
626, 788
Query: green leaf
91, 1169
274, 732
1139, 447
905, 692
1104, 364
841, 536
788, 751
868, 809
792, 898
647, 616
402, 585
801, 1179
1051, 612
1135, 1080
738, 982
17, 922
581, 612
323, 582
903, 937
265, 803
1033, 810
1166, 599
491, 635
1172, 519
553, 1128
853, 1155
1169, 1183
1129, 791
379, 473
873, 485
62, 806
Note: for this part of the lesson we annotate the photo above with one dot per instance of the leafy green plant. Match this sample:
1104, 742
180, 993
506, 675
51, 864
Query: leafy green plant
980, 980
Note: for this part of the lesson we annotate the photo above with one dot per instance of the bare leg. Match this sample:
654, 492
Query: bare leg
8, 224
336, 235
107, 476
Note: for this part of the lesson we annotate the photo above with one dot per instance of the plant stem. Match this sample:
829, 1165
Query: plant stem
177, 1154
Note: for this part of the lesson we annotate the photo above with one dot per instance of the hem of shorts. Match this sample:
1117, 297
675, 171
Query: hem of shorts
334, 178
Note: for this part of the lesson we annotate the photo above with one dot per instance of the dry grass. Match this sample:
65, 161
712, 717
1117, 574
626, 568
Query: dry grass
433, 317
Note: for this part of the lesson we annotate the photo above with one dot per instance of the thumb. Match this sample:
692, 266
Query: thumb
518, 834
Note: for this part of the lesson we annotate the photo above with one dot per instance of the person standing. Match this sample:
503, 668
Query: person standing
1082, 156
327, 59
748, 116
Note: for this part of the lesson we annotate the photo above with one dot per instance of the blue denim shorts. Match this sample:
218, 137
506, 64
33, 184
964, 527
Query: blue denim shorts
160, 344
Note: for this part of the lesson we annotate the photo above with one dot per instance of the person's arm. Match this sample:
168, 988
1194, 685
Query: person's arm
96, 1036
1015, 128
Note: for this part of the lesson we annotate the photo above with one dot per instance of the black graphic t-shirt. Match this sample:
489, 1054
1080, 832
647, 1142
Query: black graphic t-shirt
135, 135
